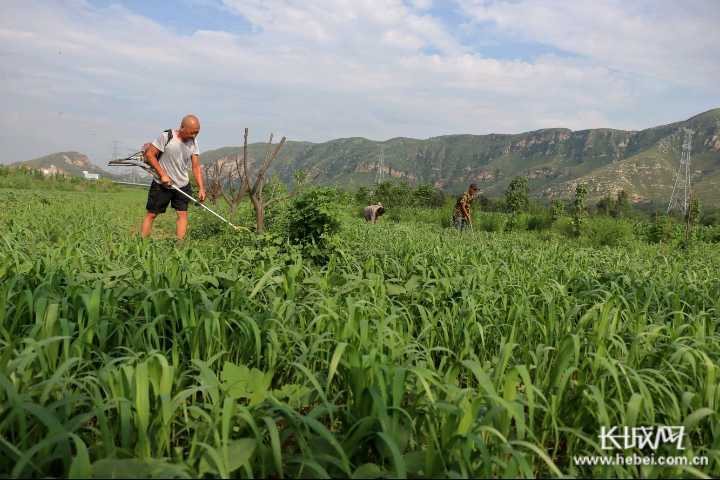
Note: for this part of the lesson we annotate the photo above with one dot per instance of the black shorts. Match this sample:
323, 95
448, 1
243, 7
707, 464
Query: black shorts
159, 197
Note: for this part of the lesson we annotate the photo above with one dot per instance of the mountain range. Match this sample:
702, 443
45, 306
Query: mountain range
643, 163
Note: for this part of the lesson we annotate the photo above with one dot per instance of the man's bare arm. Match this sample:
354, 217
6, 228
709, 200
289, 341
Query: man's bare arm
197, 173
151, 155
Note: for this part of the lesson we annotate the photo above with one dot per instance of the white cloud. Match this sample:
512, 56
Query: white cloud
673, 41
311, 70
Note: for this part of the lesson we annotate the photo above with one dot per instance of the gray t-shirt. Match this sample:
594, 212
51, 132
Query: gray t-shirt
176, 157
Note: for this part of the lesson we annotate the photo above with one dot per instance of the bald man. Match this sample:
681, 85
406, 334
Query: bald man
170, 155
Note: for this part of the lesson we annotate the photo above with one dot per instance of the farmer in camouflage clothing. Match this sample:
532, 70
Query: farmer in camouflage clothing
461, 213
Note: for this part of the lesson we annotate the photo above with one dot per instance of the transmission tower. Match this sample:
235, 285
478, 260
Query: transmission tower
680, 197
380, 169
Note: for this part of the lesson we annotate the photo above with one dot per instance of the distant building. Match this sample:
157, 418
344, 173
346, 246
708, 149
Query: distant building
51, 170
91, 176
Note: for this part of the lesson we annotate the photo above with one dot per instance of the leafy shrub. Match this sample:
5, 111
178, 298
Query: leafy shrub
277, 217
313, 216
516, 222
564, 226
494, 222
662, 230
604, 231
427, 195
539, 222
710, 234
394, 216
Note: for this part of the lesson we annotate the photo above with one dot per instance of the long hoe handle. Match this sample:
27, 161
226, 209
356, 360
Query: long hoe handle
208, 209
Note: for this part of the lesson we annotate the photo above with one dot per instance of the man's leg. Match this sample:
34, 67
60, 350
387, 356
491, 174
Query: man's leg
147, 224
181, 224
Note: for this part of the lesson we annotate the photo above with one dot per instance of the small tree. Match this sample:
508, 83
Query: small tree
557, 210
622, 205
691, 219
362, 196
427, 195
485, 203
239, 184
579, 210
605, 205
516, 199
214, 182
313, 216
516, 195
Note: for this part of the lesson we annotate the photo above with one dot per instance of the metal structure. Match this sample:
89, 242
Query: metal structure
380, 169
680, 197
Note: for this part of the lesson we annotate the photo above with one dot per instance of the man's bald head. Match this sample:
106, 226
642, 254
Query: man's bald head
189, 126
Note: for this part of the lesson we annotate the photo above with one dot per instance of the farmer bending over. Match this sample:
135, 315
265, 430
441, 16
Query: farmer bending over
175, 150
461, 213
372, 212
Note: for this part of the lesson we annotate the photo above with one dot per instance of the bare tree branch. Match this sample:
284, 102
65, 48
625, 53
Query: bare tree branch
266, 165
246, 179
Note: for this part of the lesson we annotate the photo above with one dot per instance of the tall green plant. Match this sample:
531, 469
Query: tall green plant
579, 209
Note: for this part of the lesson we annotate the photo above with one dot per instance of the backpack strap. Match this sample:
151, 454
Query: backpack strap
169, 134
170, 137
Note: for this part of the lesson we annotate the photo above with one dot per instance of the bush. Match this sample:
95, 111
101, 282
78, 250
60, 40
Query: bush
313, 216
710, 234
394, 216
494, 222
564, 226
428, 196
603, 231
662, 230
539, 222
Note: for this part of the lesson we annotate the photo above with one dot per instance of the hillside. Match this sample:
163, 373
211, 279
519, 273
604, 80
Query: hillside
642, 162
64, 163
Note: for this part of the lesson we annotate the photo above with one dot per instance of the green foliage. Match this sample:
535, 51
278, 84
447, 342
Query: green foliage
362, 196
565, 227
662, 230
493, 222
607, 232
394, 216
605, 205
427, 195
29, 179
539, 222
617, 207
516, 195
579, 210
710, 216
313, 216
710, 234
411, 352
623, 206
557, 210
394, 195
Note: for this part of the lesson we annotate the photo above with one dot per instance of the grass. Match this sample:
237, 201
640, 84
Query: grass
413, 351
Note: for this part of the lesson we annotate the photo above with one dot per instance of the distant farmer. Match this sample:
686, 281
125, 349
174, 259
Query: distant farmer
461, 213
170, 155
372, 212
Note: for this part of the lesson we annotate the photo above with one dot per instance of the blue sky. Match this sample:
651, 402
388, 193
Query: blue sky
81, 74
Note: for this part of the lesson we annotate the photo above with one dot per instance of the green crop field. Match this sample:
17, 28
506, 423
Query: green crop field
408, 350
